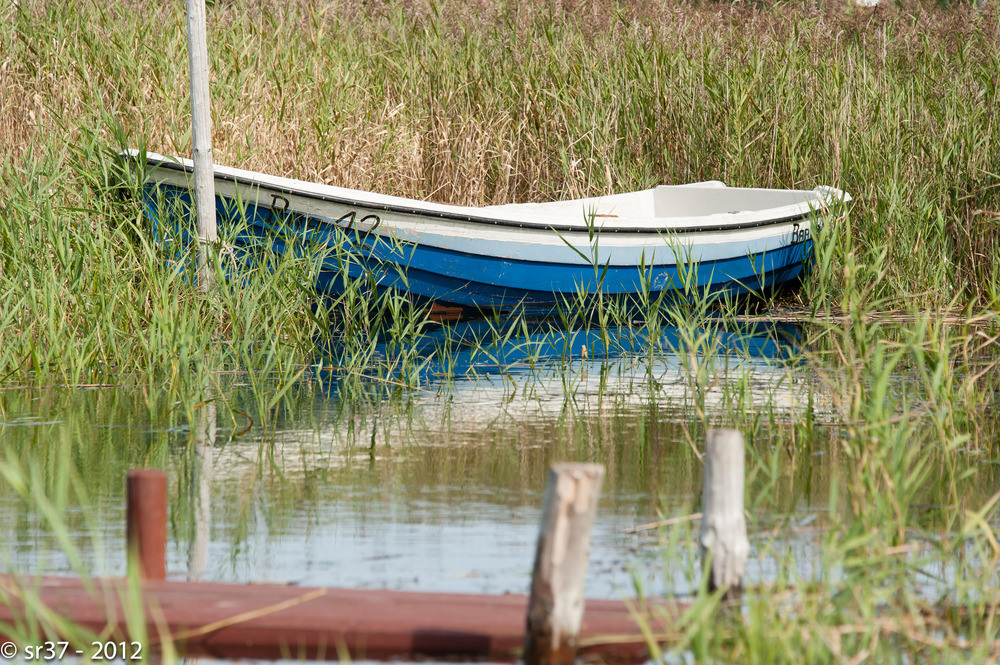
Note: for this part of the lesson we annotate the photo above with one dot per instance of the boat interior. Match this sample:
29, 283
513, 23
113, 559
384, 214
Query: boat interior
673, 201
694, 201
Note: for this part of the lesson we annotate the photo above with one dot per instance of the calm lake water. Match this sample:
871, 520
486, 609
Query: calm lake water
437, 488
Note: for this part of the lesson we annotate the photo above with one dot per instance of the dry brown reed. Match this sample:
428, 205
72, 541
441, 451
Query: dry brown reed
487, 103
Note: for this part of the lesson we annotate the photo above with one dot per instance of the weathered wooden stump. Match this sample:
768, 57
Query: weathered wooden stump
555, 609
723, 537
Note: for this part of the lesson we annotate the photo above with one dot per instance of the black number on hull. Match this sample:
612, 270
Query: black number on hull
347, 222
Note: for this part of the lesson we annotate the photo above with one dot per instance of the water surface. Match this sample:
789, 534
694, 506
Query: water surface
437, 488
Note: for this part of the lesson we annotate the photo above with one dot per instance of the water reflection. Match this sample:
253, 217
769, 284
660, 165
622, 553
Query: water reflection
710, 372
437, 488
203, 440
487, 347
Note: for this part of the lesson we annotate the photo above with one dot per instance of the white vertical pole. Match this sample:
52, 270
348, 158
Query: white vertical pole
201, 131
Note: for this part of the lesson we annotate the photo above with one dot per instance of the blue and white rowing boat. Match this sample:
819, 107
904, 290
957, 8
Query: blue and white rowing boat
707, 236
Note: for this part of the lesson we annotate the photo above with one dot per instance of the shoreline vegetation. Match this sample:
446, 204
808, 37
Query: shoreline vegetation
482, 104
486, 103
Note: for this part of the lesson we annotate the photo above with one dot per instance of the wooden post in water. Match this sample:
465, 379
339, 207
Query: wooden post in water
723, 535
201, 133
146, 522
555, 609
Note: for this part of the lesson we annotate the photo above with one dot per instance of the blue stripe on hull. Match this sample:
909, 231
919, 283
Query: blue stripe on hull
481, 281
556, 282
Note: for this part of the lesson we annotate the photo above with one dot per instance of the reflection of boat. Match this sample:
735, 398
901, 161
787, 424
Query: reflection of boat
484, 347
704, 235
753, 364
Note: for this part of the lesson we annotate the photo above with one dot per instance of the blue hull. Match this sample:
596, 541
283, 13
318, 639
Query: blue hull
465, 279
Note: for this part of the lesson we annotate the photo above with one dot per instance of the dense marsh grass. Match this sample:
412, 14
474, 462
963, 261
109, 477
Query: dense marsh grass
479, 105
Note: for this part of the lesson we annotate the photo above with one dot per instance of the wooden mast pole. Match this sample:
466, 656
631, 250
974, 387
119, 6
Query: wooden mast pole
201, 132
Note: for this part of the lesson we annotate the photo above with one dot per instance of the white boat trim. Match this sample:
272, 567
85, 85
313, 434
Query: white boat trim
572, 216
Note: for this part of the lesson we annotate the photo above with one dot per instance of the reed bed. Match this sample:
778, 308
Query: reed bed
479, 104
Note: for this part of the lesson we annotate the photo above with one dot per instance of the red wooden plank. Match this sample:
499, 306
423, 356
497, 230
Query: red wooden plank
280, 621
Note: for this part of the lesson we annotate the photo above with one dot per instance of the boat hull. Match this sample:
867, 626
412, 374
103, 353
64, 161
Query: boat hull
450, 256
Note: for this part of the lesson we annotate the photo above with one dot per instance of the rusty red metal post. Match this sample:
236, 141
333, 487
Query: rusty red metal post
147, 522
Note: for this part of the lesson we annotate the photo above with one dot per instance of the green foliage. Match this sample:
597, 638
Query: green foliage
483, 107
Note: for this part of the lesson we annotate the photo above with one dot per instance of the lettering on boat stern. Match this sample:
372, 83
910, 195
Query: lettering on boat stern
800, 234
275, 198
